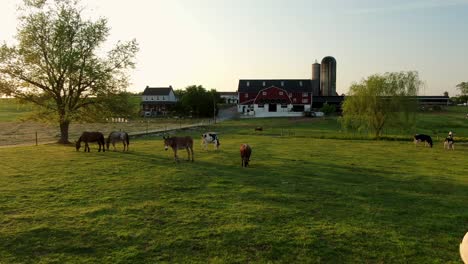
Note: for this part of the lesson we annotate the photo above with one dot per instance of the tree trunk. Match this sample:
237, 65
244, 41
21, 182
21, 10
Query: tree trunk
64, 125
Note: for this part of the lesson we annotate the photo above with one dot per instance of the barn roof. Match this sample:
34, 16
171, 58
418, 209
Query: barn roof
290, 85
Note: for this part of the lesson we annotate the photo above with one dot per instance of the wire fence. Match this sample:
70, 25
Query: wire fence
30, 133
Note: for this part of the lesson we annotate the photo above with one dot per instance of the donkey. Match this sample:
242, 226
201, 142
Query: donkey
179, 143
87, 137
117, 136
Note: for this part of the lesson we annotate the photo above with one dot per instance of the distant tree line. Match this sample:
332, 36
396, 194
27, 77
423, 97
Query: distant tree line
197, 101
463, 96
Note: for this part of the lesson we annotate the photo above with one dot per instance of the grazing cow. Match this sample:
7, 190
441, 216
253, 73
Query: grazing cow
245, 152
449, 143
259, 129
423, 138
87, 137
210, 137
179, 143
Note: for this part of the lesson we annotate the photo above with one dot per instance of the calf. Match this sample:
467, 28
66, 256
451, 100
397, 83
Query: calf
449, 143
423, 138
210, 137
245, 152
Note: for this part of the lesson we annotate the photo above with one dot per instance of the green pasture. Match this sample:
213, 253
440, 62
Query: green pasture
303, 200
11, 110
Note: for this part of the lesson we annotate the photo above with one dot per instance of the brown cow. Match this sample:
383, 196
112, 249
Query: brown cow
245, 152
179, 143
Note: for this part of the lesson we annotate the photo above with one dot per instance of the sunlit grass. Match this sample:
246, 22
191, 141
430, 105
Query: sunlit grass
302, 200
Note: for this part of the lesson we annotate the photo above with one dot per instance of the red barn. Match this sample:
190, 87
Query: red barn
263, 98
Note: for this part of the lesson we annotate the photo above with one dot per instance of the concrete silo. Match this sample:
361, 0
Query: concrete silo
316, 71
316, 78
328, 76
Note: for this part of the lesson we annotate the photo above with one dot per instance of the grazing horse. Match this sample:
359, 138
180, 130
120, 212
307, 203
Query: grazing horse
245, 152
259, 129
87, 137
116, 137
179, 143
210, 137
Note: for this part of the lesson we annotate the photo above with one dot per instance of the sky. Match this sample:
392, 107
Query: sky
215, 43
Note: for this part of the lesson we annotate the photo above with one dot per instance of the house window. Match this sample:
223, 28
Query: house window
264, 84
300, 83
304, 94
246, 95
305, 101
164, 98
152, 98
264, 93
261, 105
248, 84
280, 93
157, 98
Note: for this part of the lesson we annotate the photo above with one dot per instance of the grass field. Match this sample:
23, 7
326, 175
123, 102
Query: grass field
303, 200
11, 110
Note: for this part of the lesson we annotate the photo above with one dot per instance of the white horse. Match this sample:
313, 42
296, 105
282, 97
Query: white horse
117, 136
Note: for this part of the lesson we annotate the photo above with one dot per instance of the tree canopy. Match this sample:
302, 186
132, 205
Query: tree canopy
382, 100
198, 101
58, 62
463, 87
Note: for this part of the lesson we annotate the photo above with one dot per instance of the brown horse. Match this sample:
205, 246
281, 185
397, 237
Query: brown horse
245, 152
87, 137
179, 143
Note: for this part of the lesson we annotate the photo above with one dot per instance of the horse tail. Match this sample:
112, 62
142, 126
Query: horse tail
127, 138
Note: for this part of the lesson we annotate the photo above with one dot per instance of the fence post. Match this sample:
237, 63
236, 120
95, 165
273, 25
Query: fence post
36, 138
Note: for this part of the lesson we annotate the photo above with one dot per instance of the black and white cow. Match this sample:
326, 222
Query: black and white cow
423, 138
449, 143
208, 138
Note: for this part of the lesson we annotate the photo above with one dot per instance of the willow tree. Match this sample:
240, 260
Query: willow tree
381, 101
58, 62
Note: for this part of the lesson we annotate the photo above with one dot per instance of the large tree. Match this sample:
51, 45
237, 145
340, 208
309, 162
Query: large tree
382, 100
463, 87
58, 62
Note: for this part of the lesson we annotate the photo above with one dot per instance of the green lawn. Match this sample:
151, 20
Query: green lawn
303, 200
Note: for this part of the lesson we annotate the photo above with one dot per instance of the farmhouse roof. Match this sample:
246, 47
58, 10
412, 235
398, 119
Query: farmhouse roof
290, 85
157, 90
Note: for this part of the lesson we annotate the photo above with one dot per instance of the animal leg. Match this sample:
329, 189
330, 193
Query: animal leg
188, 153
191, 150
87, 147
175, 155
